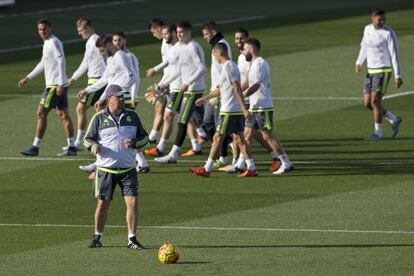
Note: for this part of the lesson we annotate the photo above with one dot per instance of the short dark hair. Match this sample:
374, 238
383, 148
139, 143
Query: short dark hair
156, 22
210, 25
84, 22
243, 31
44, 21
171, 28
103, 40
222, 48
377, 11
254, 42
185, 25
121, 34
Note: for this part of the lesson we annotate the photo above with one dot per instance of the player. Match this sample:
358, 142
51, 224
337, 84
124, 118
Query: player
113, 136
55, 96
94, 64
232, 110
261, 104
192, 71
379, 47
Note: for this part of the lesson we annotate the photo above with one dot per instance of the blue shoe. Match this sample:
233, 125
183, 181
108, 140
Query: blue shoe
31, 151
374, 137
395, 127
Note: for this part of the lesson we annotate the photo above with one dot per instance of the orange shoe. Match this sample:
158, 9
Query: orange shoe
200, 171
190, 153
248, 173
153, 152
275, 165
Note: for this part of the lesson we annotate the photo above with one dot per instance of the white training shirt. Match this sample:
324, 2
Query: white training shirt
259, 73
379, 47
192, 66
53, 63
173, 67
244, 67
119, 70
133, 60
229, 74
164, 57
92, 61
216, 67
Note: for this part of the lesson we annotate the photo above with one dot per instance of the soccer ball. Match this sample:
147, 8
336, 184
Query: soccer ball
168, 253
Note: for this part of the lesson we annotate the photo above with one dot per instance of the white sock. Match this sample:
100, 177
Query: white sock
71, 141
273, 154
142, 162
209, 165
79, 137
250, 164
37, 142
284, 159
196, 146
234, 161
174, 152
161, 144
240, 162
153, 135
201, 132
378, 129
223, 160
100, 234
131, 236
391, 117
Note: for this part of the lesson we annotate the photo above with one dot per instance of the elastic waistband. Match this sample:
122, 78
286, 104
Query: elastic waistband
379, 70
116, 170
230, 113
54, 86
262, 109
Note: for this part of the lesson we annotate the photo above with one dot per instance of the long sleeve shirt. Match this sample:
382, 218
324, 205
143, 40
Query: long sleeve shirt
133, 60
379, 47
53, 63
173, 68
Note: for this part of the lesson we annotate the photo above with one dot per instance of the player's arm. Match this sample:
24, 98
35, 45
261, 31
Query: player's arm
141, 138
238, 93
361, 56
154, 70
90, 141
135, 86
96, 86
393, 49
169, 78
35, 72
83, 67
206, 98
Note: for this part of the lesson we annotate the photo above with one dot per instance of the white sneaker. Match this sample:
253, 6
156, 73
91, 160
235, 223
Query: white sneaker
88, 168
284, 169
165, 159
79, 147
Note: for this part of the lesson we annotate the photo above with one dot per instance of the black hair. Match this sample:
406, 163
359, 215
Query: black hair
156, 22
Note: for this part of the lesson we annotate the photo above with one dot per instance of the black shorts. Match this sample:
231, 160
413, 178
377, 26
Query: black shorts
188, 107
93, 97
49, 99
107, 179
262, 120
229, 123
174, 100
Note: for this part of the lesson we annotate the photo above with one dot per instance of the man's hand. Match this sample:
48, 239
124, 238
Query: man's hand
358, 68
59, 90
95, 149
23, 82
184, 87
151, 72
200, 102
398, 82
128, 143
98, 104
71, 81
82, 94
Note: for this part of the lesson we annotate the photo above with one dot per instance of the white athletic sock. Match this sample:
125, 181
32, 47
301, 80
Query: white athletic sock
273, 154
284, 159
201, 132
99, 234
209, 165
36, 142
250, 164
142, 162
223, 160
79, 137
196, 146
71, 141
131, 236
240, 162
378, 129
174, 152
153, 135
161, 144
234, 161
391, 117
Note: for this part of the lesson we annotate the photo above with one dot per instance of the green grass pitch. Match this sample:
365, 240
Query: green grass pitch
347, 209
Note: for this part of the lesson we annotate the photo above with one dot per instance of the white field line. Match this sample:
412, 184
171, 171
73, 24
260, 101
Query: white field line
73, 8
216, 228
133, 32
326, 162
316, 98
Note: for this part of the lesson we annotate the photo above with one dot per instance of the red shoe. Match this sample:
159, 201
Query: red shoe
275, 165
200, 171
190, 153
153, 152
248, 173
